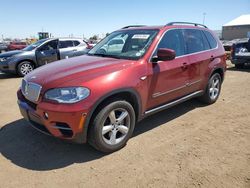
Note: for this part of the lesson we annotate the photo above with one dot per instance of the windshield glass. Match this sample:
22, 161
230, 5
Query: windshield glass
34, 45
127, 44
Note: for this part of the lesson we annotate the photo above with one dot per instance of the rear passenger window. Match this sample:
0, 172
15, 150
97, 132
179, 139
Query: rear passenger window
65, 44
76, 43
211, 39
172, 39
194, 40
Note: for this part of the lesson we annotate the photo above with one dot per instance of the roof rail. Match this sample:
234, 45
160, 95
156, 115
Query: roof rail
186, 23
126, 27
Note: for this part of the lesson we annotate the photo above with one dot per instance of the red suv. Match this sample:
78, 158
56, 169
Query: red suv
98, 98
17, 45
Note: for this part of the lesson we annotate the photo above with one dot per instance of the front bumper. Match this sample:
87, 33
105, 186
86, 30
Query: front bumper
6, 67
63, 125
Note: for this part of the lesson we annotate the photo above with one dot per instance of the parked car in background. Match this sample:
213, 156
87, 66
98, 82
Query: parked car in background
3, 47
241, 53
42, 52
100, 96
113, 46
17, 46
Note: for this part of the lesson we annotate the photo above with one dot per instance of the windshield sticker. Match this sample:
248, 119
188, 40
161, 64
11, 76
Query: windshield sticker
140, 36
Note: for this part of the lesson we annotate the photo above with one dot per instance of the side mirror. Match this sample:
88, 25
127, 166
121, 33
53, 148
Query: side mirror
165, 54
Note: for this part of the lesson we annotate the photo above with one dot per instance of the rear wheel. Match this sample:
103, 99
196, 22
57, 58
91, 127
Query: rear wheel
213, 89
112, 127
24, 68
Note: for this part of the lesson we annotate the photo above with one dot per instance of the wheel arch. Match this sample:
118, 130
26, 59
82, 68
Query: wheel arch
29, 60
128, 94
220, 71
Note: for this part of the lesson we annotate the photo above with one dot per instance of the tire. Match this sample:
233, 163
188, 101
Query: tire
24, 68
112, 127
212, 90
239, 66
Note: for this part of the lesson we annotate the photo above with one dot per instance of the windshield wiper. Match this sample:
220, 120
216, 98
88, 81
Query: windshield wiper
106, 55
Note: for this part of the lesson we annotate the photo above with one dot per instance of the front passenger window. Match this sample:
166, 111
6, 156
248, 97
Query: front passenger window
51, 45
173, 39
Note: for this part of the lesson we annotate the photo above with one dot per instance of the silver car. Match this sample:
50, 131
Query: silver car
42, 52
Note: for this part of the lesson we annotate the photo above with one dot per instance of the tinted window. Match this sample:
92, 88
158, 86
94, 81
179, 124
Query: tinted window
172, 39
65, 44
211, 39
76, 43
205, 42
194, 41
52, 45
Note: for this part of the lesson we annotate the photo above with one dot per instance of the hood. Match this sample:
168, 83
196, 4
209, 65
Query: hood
83, 68
11, 53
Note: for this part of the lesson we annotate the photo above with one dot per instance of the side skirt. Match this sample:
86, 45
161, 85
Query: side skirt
173, 103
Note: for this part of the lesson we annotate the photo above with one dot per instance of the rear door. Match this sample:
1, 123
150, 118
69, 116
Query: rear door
197, 48
168, 78
66, 49
47, 53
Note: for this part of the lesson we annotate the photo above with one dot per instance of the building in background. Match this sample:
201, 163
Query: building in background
237, 28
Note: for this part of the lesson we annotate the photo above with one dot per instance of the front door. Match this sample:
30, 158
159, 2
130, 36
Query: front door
47, 53
169, 79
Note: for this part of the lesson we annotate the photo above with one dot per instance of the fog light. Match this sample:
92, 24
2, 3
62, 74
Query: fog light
46, 115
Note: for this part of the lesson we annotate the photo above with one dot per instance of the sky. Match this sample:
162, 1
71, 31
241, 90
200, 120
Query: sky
24, 18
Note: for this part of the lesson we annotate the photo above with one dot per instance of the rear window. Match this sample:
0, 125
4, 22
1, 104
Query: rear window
211, 39
76, 43
65, 44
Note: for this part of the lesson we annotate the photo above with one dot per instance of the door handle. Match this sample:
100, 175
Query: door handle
184, 66
212, 58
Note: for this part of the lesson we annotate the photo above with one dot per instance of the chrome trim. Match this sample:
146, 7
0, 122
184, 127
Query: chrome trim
63, 128
30, 90
143, 78
195, 82
178, 88
167, 92
150, 59
168, 105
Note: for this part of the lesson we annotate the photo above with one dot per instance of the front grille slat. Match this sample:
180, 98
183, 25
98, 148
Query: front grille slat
30, 90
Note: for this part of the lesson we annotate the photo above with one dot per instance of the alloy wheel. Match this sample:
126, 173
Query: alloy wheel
214, 88
26, 68
116, 126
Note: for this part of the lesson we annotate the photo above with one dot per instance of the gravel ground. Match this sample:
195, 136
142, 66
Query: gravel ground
190, 145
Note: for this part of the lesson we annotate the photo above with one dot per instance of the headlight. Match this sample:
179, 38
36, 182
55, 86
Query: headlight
4, 58
67, 94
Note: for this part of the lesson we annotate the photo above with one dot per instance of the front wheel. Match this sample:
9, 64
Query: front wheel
112, 127
24, 68
213, 89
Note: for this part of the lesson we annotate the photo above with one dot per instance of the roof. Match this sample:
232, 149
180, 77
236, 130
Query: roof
242, 20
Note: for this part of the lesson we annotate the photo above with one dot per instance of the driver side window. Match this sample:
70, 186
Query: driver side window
172, 39
51, 45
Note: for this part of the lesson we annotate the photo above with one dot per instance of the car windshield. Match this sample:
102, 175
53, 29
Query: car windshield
34, 45
127, 44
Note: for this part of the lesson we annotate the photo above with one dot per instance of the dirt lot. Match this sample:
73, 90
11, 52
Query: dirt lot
190, 145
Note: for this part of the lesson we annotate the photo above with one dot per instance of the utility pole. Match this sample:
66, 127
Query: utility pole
204, 16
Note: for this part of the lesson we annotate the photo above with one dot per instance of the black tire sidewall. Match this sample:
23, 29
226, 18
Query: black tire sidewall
99, 143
